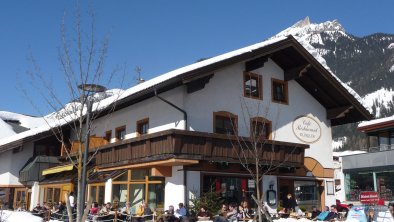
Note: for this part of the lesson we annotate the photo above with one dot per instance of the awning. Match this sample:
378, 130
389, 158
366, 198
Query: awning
57, 169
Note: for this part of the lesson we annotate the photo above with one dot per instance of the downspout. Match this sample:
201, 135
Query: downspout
176, 107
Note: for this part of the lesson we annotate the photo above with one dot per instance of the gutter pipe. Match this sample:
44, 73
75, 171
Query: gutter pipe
176, 107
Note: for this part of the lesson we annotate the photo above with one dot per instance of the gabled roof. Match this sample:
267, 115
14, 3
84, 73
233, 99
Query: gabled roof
299, 61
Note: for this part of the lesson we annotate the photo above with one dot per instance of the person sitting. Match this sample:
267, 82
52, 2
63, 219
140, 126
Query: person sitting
333, 214
222, 214
169, 215
244, 211
126, 209
94, 209
203, 214
323, 214
37, 208
232, 212
140, 210
181, 211
315, 212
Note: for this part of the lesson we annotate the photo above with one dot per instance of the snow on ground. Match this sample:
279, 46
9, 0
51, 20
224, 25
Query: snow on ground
383, 97
292, 220
14, 216
339, 142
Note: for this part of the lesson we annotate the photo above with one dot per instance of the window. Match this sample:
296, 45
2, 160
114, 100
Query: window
120, 133
142, 126
137, 186
225, 123
253, 85
279, 91
108, 135
260, 128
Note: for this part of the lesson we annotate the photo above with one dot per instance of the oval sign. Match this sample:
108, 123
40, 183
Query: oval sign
306, 129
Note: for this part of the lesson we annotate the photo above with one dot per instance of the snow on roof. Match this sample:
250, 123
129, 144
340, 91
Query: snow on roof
51, 121
347, 153
303, 31
5, 129
25, 120
375, 121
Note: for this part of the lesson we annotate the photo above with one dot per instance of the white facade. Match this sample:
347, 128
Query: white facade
224, 92
11, 163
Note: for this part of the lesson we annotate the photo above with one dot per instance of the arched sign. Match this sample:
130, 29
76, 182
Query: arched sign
306, 129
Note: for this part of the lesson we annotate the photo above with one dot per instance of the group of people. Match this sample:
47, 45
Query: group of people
234, 212
172, 215
108, 211
48, 210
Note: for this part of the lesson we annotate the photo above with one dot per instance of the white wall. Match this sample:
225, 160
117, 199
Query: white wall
224, 92
161, 115
11, 163
174, 191
330, 199
193, 184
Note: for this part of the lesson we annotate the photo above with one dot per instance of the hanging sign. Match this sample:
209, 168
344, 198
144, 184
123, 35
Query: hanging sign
306, 129
369, 197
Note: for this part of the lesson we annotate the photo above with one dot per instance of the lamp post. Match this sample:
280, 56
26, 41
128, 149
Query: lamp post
88, 88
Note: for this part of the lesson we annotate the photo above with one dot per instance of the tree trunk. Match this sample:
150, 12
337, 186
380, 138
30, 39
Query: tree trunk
80, 199
87, 208
262, 210
68, 207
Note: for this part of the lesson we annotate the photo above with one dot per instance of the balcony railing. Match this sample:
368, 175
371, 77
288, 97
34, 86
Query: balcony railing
195, 146
383, 147
94, 143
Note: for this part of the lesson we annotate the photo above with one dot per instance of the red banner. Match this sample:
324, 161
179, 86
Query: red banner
369, 197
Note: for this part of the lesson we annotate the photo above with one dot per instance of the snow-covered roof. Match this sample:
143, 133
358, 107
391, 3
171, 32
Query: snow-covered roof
347, 153
376, 121
136, 90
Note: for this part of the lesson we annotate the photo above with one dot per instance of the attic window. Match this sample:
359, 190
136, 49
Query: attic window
253, 85
279, 91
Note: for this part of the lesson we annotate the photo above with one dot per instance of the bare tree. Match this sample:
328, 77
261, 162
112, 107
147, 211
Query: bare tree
82, 58
256, 151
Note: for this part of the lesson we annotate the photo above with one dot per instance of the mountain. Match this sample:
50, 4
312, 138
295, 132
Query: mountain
366, 64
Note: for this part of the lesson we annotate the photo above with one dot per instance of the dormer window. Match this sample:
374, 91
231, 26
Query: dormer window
253, 85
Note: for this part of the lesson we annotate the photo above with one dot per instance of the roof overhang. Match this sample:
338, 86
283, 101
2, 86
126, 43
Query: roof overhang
298, 64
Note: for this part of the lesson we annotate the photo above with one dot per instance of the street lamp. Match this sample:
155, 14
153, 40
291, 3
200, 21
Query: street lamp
88, 88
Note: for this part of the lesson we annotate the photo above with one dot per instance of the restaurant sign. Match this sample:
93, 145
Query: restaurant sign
369, 197
306, 129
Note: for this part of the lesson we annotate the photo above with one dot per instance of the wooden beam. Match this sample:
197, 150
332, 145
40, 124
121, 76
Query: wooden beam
194, 85
338, 112
255, 63
169, 162
296, 72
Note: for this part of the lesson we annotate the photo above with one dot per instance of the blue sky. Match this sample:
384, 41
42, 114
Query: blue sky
158, 36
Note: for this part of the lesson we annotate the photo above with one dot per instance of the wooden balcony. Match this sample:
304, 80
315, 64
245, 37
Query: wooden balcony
191, 145
94, 143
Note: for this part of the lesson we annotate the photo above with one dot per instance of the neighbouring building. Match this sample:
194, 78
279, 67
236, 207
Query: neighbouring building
372, 170
174, 136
